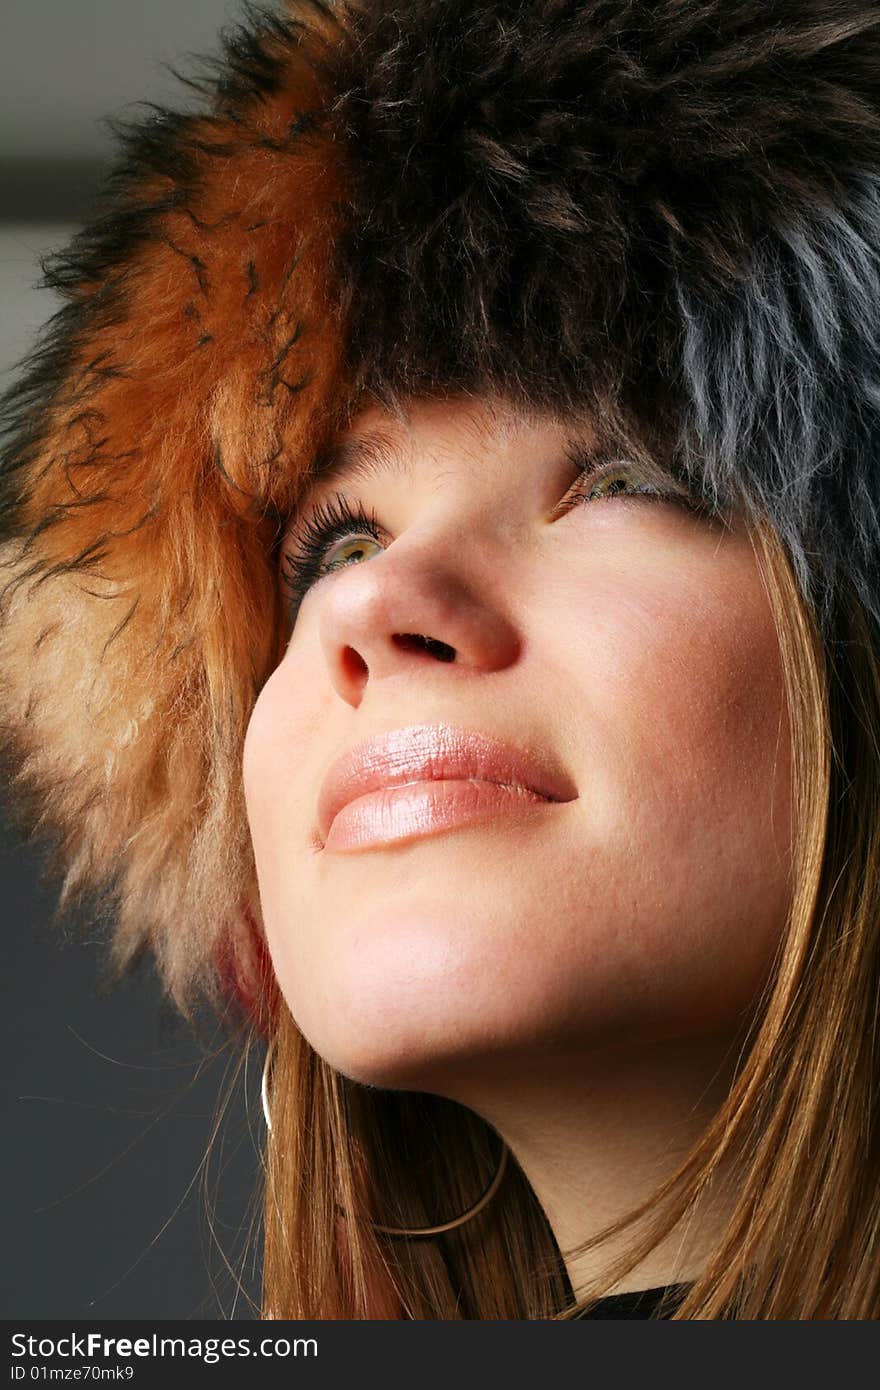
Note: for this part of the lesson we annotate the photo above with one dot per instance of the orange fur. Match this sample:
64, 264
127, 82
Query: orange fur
139, 605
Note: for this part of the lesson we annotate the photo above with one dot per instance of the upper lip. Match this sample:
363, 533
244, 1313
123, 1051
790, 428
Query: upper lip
428, 752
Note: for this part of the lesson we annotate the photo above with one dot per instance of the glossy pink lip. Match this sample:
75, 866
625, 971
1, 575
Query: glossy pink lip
436, 752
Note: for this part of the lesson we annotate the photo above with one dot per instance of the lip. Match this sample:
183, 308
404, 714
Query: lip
437, 752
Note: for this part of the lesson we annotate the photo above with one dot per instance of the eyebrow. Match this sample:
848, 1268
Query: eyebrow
373, 454
368, 456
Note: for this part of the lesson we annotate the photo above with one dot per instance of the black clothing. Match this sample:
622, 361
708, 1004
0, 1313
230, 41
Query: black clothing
640, 1303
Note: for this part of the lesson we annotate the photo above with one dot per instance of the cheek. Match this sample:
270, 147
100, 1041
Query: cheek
677, 703
677, 673
286, 733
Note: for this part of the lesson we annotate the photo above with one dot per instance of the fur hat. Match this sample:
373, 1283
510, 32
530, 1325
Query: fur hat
667, 214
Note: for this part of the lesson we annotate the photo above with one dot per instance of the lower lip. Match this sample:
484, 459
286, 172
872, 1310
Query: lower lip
424, 808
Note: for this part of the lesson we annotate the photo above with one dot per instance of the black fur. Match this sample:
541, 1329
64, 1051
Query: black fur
676, 202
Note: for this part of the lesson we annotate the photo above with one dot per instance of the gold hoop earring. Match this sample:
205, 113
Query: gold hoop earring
264, 1093
412, 1232
409, 1232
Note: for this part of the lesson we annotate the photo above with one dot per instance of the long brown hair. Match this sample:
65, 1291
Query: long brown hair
803, 1237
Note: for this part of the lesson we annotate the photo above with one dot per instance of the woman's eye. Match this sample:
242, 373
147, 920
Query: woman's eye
614, 483
340, 555
617, 479
332, 537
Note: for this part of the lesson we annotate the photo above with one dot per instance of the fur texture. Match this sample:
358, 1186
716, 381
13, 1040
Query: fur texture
667, 213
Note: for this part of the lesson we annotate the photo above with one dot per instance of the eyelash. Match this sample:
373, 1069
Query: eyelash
329, 522
334, 520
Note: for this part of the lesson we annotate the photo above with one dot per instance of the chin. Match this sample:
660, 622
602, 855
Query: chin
408, 1036
383, 1061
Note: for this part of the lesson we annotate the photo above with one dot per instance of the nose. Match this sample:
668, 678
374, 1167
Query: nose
414, 604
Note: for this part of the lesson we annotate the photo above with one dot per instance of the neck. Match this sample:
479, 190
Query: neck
596, 1133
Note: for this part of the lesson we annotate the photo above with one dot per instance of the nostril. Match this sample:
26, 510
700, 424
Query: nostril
441, 650
354, 662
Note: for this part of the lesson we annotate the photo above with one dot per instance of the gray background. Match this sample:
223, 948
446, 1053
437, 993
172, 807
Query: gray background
109, 1102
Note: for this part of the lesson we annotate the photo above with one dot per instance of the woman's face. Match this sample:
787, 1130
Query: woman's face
624, 644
